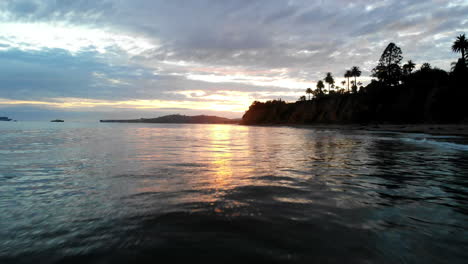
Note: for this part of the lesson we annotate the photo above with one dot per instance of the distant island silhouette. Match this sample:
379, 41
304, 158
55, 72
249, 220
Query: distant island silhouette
399, 94
4, 118
181, 119
57, 121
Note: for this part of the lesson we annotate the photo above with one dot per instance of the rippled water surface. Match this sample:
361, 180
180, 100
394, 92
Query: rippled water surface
118, 193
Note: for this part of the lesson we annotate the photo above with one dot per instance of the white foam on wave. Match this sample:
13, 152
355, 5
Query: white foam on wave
439, 144
416, 135
426, 136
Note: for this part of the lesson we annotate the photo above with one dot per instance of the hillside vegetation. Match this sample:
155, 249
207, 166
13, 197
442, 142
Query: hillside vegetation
397, 95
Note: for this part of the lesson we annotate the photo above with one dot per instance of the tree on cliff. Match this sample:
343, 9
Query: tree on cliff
426, 67
408, 67
354, 87
320, 87
461, 45
459, 65
348, 75
329, 79
309, 92
356, 72
388, 71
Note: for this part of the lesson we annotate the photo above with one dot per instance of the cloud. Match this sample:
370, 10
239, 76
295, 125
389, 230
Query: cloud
41, 35
162, 50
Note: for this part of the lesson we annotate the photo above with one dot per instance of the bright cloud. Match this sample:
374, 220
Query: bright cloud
90, 104
42, 35
206, 54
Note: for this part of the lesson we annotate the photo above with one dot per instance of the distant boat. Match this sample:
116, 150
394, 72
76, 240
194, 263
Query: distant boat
57, 120
3, 118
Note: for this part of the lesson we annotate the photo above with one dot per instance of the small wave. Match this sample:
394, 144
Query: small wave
439, 144
424, 135
414, 135
187, 164
273, 178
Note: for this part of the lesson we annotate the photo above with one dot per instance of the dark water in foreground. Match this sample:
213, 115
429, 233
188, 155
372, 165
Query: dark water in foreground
117, 193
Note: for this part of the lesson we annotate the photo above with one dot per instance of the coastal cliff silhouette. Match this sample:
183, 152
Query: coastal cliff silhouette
398, 94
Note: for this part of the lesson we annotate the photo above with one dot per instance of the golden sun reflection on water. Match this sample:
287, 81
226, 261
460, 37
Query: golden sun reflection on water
212, 158
206, 163
220, 155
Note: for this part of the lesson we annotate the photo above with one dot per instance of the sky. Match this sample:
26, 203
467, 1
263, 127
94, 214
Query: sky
98, 59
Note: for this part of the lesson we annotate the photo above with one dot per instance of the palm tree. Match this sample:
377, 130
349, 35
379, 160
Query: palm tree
302, 98
329, 79
320, 86
309, 92
460, 45
411, 65
353, 87
348, 75
452, 66
408, 67
356, 72
343, 83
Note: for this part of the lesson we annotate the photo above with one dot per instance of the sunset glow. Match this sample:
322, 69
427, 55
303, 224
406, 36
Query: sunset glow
107, 56
217, 103
233, 131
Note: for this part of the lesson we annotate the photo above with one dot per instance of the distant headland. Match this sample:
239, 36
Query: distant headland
4, 118
180, 119
398, 94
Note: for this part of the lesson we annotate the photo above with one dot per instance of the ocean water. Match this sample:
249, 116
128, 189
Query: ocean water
147, 193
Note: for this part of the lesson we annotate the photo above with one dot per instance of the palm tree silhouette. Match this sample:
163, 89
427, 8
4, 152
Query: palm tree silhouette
460, 45
356, 72
348, 75
329, 79
309, 92
411, 65
343, 83
320, 86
